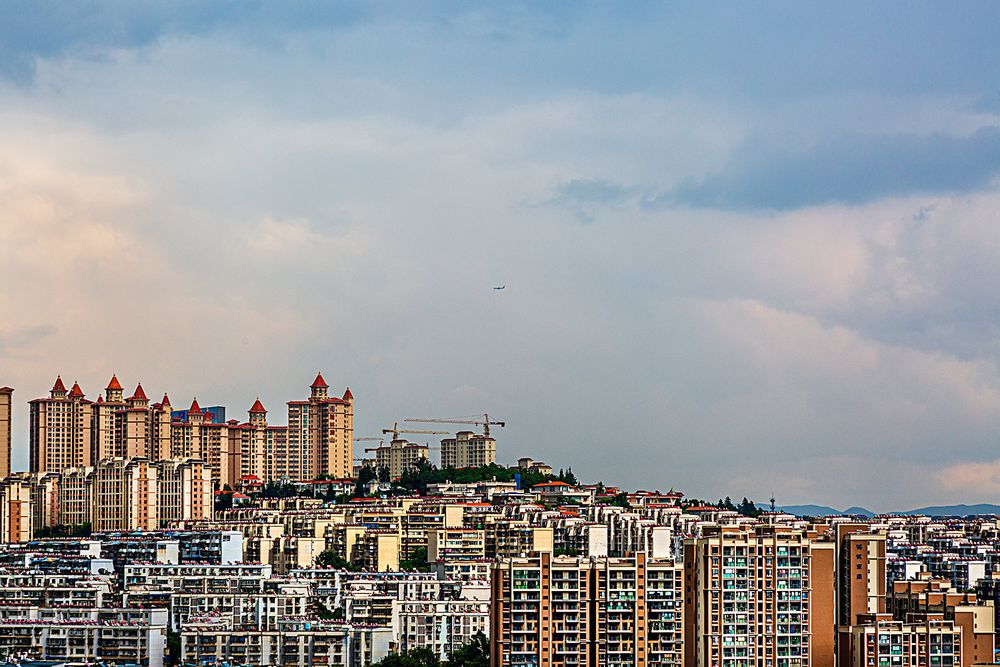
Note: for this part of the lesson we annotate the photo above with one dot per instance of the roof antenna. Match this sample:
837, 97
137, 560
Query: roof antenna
772, 503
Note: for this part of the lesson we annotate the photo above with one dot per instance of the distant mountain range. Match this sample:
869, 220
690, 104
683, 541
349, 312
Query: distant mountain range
934, 510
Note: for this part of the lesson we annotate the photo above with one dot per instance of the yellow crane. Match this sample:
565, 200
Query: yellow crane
485, 422
395, 430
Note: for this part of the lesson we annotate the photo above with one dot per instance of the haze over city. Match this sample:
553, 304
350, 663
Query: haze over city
746, 250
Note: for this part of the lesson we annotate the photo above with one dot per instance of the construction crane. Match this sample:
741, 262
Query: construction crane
485, 422
395, 430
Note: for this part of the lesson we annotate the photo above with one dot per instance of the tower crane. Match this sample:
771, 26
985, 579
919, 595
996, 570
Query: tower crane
485, 422
395, 430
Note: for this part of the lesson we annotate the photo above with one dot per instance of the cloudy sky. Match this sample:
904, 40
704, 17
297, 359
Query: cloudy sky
748, 248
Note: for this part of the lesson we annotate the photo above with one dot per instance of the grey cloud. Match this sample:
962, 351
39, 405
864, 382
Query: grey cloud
583, 196
849, 169
23, 336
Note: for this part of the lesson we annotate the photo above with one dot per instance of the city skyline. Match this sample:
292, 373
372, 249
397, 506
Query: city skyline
746, 250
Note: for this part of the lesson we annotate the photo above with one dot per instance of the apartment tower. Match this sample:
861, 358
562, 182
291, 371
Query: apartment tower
602, 612
760, 597
6, 419
60, 430
320, 434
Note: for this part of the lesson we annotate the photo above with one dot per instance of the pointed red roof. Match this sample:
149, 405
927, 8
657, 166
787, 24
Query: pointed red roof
76, 392
195, 409
166, 399
139, 394
348, 396
59, 386
257, 408
114, 384
319, 381
100, 399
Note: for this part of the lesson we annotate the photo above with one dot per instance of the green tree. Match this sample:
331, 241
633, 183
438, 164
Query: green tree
418, 657
330, 558
417, 561
474, 654
365, 475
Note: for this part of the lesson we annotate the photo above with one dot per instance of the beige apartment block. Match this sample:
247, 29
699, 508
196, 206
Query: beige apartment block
69, 431
758, 596
400, 456
125, 495
602, 612
103, 433
320, 434
75, 497
201, 438
16, 513
877, 639
60, 430
468, 450
6, 419
184, 490
45, 499
861, 573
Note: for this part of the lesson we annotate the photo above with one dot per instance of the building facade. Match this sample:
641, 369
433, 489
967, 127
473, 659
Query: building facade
468, 450
758, 596
6, 420
559, 611
60, 430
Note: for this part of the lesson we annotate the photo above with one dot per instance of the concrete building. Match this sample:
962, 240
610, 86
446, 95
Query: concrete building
555, 612
16, 511
125, 495
65, 634
762, 595
320, 434
468, 450
183, 490
296, 643
201, 438
69, 431
861, 572
400, 456
60, 429
6, 419
877, 639
927, 596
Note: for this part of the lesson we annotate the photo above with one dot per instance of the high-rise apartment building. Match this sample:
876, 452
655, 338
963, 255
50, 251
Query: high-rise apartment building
602, 612
877, 639
201, 438
125, 495
861, 576
400, 456
761, 596
60, 430
320, 434
183, 490
69, 431
102, 430
468, 450
16, 516
6, 419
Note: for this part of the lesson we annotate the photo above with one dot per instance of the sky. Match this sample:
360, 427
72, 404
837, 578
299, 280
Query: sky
748, 248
